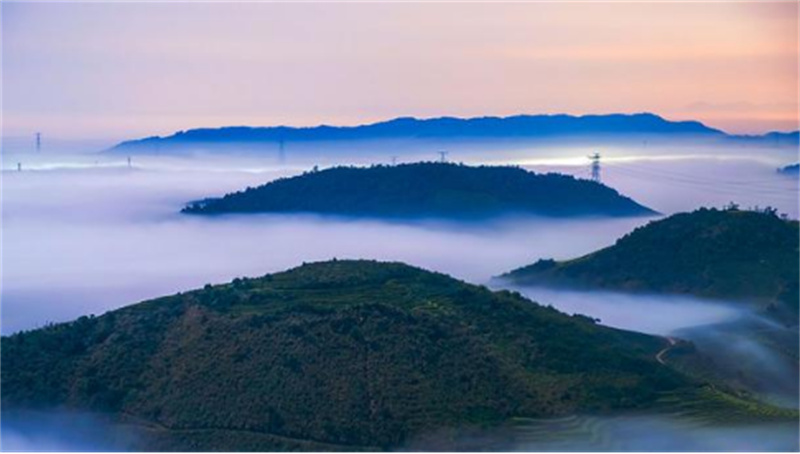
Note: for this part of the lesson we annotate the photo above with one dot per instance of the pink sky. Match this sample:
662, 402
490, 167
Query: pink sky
118, 70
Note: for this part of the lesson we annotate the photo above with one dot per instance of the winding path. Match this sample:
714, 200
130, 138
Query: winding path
660, 355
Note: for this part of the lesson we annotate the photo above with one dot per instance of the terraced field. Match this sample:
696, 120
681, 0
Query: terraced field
709, 406
648, 432
706, 419
711, 420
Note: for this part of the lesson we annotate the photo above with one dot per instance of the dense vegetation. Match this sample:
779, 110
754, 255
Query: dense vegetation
730, 253
427, 190
340, 354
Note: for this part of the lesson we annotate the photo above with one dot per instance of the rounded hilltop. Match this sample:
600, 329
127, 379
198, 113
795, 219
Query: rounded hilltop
427, 190
345, 354
730, 253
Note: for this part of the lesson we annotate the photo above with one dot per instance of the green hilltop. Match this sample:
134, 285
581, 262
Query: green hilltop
728, 254
333, 355
426, 190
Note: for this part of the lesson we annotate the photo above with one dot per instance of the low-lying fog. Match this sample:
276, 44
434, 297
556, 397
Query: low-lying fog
85, 241
759, 352
84, 234
652, 314
63, 431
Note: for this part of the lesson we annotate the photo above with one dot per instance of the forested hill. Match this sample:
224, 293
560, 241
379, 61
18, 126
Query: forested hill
332, 355
730, 254
438, 190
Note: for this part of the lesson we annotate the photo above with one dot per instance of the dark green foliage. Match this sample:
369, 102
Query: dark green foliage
427, 190
730, 253
345, 353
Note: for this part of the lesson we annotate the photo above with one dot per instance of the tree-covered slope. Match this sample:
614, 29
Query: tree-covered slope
730, 253
343, 354
427, 190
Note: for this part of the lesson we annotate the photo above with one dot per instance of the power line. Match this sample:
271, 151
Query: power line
708, 186
738, 185
763, 184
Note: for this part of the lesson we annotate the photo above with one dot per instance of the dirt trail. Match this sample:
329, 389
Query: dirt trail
660, 355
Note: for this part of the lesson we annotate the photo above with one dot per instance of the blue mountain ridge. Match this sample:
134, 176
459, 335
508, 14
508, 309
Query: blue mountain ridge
513, 127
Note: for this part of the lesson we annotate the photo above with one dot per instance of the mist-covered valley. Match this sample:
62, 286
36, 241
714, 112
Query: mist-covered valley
84, 233
103, 234
400, 226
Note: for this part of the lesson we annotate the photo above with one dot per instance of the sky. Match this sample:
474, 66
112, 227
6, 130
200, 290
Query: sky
117, 70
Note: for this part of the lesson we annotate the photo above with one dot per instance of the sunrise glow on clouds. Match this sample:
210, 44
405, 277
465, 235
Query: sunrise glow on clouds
131, 69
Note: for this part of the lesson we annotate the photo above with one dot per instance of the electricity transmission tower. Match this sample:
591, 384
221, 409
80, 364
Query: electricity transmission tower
443, 156
595, 166
38, 141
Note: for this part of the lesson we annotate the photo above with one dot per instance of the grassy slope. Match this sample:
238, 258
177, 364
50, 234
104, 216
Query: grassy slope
427, 190
347, 353
730, 254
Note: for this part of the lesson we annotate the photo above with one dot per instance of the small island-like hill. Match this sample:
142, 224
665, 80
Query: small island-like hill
714, 253
427, 190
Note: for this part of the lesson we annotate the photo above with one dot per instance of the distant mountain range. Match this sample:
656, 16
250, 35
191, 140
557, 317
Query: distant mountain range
519, 127
427, 190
